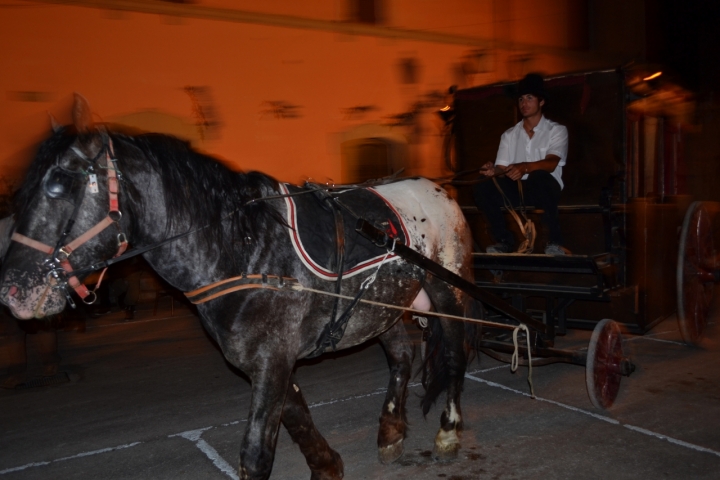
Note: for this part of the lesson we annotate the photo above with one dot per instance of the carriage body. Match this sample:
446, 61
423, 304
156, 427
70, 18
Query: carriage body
621, 211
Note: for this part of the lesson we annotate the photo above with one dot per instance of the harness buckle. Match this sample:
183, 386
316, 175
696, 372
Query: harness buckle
121, 238
63, 254
115, 215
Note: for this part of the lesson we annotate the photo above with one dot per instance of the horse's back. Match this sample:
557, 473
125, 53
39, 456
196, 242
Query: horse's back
433, 220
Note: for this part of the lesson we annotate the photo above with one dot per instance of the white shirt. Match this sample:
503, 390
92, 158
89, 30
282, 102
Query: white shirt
549, 137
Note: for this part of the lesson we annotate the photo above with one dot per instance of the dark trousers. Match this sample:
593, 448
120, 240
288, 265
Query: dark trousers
540, 190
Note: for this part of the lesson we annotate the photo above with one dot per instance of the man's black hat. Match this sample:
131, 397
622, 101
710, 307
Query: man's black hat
533, 84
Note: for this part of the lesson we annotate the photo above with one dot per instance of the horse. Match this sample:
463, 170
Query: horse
91, 190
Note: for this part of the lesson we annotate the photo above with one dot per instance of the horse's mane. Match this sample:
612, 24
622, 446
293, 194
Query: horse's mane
45, 157
199, 190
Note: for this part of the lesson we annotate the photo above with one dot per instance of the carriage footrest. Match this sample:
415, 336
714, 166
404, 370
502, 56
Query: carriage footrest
582, 264
593, 293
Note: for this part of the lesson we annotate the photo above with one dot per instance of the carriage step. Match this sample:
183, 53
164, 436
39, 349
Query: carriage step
581, 264
592, 293
58, 379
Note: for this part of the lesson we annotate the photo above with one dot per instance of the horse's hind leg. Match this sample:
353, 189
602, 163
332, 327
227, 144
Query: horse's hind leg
447, 442
393, 422
454, 364
324, 462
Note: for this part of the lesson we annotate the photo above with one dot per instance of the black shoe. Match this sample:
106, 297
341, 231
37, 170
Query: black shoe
555, 249
99, 312
499, 248
130, 312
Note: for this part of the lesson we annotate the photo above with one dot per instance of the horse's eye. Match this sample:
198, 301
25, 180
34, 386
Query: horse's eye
62, 184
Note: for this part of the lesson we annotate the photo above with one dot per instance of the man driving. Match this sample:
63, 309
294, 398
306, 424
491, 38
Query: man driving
534, 152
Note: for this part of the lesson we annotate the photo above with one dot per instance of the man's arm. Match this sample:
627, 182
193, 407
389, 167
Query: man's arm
559, 143
517, 170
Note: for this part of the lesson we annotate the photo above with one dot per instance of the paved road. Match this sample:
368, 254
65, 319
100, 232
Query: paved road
153, 398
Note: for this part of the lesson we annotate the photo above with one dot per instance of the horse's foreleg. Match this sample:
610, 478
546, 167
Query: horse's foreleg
324, 462
447, 442
393, 422
269, 387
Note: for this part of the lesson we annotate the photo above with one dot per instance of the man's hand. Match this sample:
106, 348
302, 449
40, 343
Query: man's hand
488, 170
492, 170
516, 171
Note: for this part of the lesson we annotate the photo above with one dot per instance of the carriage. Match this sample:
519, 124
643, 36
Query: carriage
642, 248
232, 242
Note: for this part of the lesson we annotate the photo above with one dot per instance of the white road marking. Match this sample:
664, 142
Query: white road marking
23, 467
603, 418
79, 455
649, 337
672, 440
488, 369
379, 391
195, 437
660, 340
540, 399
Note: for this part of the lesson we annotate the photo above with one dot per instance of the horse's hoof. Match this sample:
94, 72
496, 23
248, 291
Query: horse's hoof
334, 470
327, 475
392, 452
13, 381
447, 445
446, 453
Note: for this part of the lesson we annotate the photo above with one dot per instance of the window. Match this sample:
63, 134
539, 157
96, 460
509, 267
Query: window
366, 11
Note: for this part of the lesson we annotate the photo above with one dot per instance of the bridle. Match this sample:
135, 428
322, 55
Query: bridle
57, 181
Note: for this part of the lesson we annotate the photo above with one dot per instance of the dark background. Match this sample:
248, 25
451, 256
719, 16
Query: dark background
685, 36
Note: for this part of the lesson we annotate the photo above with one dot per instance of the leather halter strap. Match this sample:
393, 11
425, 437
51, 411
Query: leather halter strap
113, 216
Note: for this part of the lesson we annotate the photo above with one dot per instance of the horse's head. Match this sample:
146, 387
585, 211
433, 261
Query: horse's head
67, 218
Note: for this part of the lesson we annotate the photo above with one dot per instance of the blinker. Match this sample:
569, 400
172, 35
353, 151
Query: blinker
63, 184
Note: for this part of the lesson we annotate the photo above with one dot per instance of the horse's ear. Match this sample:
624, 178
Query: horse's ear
82, 116
54, 123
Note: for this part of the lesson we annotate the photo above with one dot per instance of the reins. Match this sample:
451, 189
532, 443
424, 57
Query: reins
527, 228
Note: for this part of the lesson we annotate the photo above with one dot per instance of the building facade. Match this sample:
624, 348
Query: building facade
333, 90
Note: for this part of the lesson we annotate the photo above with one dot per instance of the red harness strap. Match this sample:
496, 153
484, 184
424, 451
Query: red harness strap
114, 211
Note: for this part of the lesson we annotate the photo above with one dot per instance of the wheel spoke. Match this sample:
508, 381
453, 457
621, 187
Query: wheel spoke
604, 364
695, 278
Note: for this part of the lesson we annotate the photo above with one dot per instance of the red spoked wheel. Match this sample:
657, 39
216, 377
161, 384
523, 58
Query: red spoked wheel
695, 272
606, 364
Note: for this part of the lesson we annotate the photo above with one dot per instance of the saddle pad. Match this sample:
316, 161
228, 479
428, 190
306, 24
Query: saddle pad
312, 231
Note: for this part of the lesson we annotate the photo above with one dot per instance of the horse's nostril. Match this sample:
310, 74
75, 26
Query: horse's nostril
11, 291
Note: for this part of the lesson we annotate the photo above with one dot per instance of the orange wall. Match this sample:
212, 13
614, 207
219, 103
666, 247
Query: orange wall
126, 62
